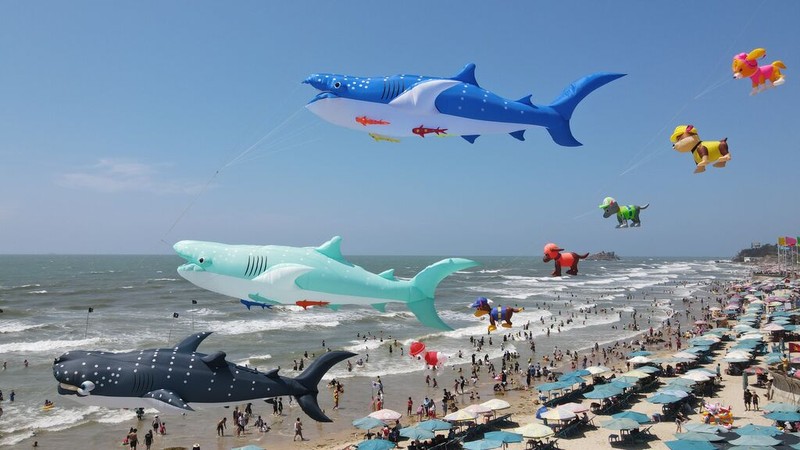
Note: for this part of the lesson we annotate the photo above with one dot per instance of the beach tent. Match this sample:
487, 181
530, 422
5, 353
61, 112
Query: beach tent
416, 433
535, 431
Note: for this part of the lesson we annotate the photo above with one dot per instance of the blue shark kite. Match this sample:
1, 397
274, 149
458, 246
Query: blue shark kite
179, 379
406, 105
308, 276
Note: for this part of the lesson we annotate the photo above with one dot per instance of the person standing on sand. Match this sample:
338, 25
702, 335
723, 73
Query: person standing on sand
410, 406
148, 439
755, 401
747, 399
221, 425
298, 430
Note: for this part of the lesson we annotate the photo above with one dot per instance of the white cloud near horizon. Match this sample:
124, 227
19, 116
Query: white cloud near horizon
112, 176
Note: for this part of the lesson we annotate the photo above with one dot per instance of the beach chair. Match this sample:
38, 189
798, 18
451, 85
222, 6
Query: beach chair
613, 438
646, 431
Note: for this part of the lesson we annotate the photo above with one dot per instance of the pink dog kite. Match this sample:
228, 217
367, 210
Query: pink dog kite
745, 65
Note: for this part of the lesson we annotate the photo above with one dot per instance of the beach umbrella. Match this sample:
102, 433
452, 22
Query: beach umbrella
574, 407
686, 355
496, 404
690, 445
755, 439
790, 416
695, 436
535, 431
597, 370
477, 409
681, 382
503, 436
663, 398
703, 370
621, 424
460, 416
735, 359
773, 327
574, 373
368, 423
639, 360
558, 414
545, 387
606, 392
482, 444
755, 370
248, 447
751, 447
633, 415
639, 353
435, 425
375, 444
385, 415
572, 379
673, 392
696, 376
677, 387
781, 407
636, 374
649, 369
704, 428
700, 322
760, 430
622, 384
625, 379
416, 433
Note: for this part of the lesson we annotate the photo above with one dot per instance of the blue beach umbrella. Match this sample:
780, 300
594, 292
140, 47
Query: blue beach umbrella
783, 415
375, 444
545, 387
367, 423
751, 447
603, 391
640, 353
482, 444
249, 447
690, 445
704, 428
435, 425
781, 407
755, 439
696, 436
648, 369
757, 430
574, 373
633, 415
503, 436
663, 398
416, 433
622, 384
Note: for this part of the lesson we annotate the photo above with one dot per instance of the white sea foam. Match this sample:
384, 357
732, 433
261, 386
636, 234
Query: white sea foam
16, 326
42, 291
49, 346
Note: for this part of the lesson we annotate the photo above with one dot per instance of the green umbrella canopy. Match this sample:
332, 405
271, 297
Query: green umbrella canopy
368, 423
696, 436
757, 430
375, 444
621, 424
633, 415
790, 416
435, 425
781, 407
755, 439
416, 433
690, 445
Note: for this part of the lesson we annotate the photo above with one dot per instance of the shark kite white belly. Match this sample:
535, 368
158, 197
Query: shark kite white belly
406, 105
276, 275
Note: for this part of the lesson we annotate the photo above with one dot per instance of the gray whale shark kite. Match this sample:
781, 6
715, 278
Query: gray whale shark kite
408, 105
179, 379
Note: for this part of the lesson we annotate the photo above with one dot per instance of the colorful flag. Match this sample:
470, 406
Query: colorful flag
790, 241
782, 241
794, 347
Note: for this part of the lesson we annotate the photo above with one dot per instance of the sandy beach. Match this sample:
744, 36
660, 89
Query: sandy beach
184, 431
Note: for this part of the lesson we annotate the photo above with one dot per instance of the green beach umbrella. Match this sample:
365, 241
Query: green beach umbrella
375, 444
695, 436
755, 439
367, 423
633, 415
690, 445
757, 430
781, 407
704, 428
663, 399
435, 425
790, 416
416, 433
621, 424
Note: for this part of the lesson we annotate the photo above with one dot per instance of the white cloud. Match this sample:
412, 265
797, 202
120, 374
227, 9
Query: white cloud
113, 176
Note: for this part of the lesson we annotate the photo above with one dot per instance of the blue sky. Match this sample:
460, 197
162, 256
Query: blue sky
127, 126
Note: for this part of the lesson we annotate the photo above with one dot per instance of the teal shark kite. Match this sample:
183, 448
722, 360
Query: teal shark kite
307, 276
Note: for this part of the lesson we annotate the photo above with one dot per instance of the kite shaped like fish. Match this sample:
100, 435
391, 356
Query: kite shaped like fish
179, 379
278, 275
406, 105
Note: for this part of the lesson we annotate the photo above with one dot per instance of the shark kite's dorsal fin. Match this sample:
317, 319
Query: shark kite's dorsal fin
215, 360
190, 344
380, 307
387, 274
467, 75
520, 134
273, 374
332, 249
470, 137
526, 101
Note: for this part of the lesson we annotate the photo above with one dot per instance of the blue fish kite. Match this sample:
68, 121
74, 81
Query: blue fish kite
406, 105
309, 276
180, 379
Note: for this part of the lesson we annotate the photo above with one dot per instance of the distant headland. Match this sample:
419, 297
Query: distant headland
603, 256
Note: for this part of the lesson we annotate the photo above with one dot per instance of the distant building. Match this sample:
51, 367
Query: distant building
755, 245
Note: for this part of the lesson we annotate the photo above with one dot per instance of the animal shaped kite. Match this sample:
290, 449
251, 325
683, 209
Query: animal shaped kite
624, 213
179, 379
408, 105
567, 259
483, 306
416, 349
745, 65
435, 359
685, 139
309, 276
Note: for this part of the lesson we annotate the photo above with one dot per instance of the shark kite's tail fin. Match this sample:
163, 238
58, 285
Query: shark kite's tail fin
644, 206
309, 380
424, 285
566, 102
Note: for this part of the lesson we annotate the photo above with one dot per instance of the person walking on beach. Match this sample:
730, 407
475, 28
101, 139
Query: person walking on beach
148, 439
221, 425
298, 430
280, 405
748, 396
133, 439
678, 425
755, 401
156, 424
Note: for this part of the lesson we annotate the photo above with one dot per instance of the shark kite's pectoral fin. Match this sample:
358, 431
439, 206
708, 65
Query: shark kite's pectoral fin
334, 307
191, 343
282, 276
215, 360
387, 274
427, 315
467, 75
421, 98
471, 137
169, 399
520, 135
258, 300
332, 249
380, 307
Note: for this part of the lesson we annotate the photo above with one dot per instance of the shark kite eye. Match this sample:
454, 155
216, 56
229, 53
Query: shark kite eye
86, 387
337, 85
201, 260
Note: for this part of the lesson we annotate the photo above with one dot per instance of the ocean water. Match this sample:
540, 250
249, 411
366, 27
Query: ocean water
45, 302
